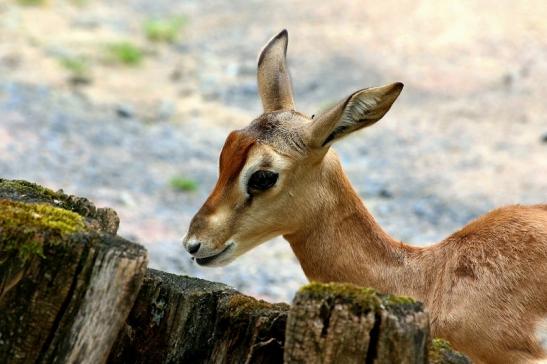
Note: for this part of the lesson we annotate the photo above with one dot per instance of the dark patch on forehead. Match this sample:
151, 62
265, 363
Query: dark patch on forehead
264, 127
280, 129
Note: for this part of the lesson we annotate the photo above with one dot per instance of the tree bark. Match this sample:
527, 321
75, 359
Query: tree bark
179, 319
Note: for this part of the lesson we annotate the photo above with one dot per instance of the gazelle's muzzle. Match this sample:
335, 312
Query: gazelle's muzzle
205, 256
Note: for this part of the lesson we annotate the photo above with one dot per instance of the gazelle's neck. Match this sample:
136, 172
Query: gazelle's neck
341, 241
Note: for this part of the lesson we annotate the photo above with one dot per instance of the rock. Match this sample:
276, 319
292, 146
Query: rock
166, 110
179, 319
66, 287
343, 323
102, 219
79, 80
125, 111
384, 193
12, 60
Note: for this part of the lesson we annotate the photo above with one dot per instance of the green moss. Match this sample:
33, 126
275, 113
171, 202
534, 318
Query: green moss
441, 352
27, 192
23, 189
436, 349
124, 52
399, 300
164, 30
239, 304
439, 344
183, 184
24, 228
362, 298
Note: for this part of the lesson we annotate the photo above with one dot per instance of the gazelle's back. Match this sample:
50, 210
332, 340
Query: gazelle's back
496, 270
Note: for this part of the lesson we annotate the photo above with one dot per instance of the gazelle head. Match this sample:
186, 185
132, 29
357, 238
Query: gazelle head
272, 174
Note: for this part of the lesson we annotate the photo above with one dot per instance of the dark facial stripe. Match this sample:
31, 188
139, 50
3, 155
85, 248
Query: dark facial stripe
232, 159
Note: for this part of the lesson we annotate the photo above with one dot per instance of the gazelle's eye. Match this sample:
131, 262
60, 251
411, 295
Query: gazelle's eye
262, 180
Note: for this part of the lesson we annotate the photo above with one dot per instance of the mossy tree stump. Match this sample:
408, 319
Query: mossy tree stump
179, 319
66, 283
342, 323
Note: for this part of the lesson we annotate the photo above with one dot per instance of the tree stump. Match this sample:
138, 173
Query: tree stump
66, 283
343, 323
179, 319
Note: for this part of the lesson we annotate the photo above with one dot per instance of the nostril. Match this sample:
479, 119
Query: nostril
193, 248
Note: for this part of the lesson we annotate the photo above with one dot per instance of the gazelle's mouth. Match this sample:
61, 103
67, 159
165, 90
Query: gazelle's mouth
214, 258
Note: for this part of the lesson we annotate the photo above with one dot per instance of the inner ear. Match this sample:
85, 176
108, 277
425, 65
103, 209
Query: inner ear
363, 108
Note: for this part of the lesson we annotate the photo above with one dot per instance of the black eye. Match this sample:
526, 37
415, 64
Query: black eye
262, 180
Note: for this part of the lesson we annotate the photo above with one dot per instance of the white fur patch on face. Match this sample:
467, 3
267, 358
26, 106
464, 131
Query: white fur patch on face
263, 157
219, 217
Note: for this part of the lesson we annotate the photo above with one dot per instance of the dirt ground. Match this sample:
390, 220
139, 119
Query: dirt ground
469, 132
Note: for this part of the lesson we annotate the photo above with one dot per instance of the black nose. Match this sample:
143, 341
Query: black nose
193, 248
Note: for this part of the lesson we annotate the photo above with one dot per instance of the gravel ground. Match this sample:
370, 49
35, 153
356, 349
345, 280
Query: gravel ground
469, 132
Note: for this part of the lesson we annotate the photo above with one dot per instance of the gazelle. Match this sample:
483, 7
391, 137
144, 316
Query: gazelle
485, 286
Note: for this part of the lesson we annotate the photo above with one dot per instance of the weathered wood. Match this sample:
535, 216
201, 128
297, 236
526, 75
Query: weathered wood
342, 323
179, 319
66, 287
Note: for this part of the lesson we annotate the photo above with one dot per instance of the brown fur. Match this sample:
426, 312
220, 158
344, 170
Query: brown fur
485, 286
274, 86
232, 159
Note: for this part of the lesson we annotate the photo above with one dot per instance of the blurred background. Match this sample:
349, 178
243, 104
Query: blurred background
128, 103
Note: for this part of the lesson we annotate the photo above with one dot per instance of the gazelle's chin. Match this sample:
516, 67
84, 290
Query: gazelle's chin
224, 257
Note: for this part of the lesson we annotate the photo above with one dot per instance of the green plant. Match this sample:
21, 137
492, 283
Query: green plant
183, 184
164, 30
125, 52
31, 2
77, 66
79, 2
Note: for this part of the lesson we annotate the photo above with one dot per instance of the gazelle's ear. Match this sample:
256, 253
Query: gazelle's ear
274, 83
361, 109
